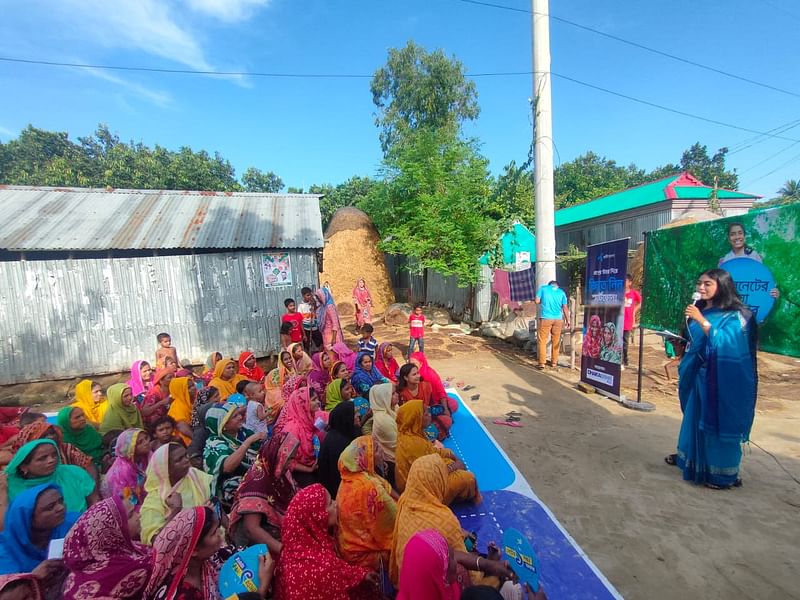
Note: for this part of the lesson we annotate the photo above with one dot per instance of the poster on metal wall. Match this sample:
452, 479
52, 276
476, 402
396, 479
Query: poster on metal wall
601, 354
277, 270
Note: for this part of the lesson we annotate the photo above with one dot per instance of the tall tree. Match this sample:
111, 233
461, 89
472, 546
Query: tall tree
255, 180
709, 168
511, 197
790, 190
419, 89
591, 176
353, 192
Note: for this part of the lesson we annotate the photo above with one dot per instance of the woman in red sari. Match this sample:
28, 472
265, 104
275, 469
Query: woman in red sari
428, 374
412, 387
385, 361
248, 367
362, 300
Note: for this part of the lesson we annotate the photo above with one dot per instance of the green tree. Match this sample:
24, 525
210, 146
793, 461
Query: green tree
591, 176
706, 168
790, 190
511, 197
419, 89
431, 207
255, 180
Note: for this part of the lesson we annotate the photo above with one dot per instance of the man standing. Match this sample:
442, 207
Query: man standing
633, 300
554, 314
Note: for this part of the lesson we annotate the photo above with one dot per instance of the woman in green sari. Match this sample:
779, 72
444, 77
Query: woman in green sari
122, 413
77, 431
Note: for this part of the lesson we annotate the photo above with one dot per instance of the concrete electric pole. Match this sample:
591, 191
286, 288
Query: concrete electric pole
544, 203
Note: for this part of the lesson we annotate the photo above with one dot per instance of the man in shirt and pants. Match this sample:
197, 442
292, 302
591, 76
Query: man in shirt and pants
554, 314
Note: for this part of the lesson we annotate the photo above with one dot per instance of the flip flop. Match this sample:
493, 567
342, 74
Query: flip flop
467, 388
475, 397
671, 460
514, 413
507, 423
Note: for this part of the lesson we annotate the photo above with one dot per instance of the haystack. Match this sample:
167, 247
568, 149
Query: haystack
351, 252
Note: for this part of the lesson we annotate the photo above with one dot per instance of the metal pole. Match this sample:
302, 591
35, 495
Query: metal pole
543, 144
641, 329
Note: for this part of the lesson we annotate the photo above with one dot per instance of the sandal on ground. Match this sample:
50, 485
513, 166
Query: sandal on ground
672, 459
507, 423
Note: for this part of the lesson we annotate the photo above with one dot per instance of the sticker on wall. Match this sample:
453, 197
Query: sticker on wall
277, 269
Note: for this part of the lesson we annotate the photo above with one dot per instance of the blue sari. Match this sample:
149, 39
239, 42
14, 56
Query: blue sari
717, 388
362, 381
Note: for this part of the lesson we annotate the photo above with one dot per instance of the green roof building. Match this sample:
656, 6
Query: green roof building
632, 212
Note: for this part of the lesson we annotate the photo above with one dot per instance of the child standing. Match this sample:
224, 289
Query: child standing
416, 326
308, 308
286, 338
256, 414
367, 343
165, 351
295, 318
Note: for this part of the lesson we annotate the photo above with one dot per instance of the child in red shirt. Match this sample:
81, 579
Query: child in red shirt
633, 300
295, 318
416, 326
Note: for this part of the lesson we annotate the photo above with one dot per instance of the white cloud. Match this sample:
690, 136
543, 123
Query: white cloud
227, 10
157, 97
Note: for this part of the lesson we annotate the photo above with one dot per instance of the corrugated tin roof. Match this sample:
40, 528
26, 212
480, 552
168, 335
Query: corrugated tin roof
683, 186
37, 218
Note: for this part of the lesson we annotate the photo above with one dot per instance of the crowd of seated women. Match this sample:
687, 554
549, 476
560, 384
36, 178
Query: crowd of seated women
333, 461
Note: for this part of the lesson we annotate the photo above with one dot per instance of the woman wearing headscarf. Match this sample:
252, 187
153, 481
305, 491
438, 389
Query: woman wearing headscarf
385, 362
125, 479
89, 397
593, 338
366, 508
157, 400
383, 402
432, 377
248, 367
38, 463
274, 382
76, 431
187, 556
412, 387
172, 484
140, 380
340, 432
428, 570
209, 365
104, 561
68, 453
297, 418
342, 353
320, 375
421, 507
338, 391
303, 364
206, 398
328, 319
122, 412
183, 393
225, 378
412, 445
263, 496
610, 348
362, 300
230, 450
309, 567
365, 375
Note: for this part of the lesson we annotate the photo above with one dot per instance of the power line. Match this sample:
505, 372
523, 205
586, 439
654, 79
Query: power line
795, 158
50, 63
639, 46
750, 142
769, 158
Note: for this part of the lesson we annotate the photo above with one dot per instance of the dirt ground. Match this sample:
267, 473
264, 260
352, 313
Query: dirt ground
600, 469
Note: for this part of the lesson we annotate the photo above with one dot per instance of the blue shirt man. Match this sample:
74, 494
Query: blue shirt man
553, 302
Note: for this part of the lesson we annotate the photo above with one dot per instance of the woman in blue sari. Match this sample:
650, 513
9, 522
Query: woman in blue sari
364, 376
717, 386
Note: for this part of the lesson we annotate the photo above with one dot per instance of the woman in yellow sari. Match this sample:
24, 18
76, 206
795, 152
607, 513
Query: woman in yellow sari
412, 444
274, 382
366, 508
183, 392
226, 377
89, 397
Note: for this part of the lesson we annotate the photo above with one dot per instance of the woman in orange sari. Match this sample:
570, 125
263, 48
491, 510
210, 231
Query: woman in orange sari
225, 378
274, 382
412, 444
366, 508
183, 392
89, 397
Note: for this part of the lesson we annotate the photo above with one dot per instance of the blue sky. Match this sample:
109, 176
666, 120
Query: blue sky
322, 130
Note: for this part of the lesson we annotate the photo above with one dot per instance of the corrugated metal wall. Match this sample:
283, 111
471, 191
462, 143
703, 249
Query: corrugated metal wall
66, 318
612, 227
444, 291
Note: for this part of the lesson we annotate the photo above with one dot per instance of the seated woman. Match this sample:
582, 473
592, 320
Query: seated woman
383, 402
187, 557
303, 363
412, 444
366, 508
297, 418
248, 367
157, 400
89, 397
225, 378
338, 391
422, 507
230, 449
140, 380
79, 433
103, 560
412, 387
342, 429
341, 352
209, 365
427, 373
320, 375
172, 485
263, 496
125, 479
206, 398
38, 463
183, 393
386, 363
122, 413
274, 383
309, 567
364, 377
69, 454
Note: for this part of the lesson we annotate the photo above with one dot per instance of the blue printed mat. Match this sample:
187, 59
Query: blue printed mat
508, 501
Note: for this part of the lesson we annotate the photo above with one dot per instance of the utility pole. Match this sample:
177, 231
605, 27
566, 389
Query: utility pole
544, 203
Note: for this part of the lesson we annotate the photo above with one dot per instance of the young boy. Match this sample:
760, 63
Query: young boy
367, 343
256, 414
286, 338
163, 432
416, 326
308, 308
165, 351
295, 318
